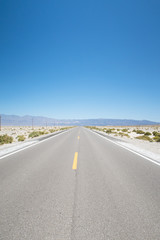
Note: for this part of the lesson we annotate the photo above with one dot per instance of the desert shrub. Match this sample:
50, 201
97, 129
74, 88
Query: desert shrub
42, 132
51, 130
157, 138
36, 134
147, 134
5, 139
140, 132
134, 130
124, 130
33, 134
21, 138
144, 137
123, 135
156, 133
63, 128
109, 131
98, 129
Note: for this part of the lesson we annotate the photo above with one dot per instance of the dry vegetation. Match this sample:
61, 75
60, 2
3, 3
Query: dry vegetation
20, 134
146, 133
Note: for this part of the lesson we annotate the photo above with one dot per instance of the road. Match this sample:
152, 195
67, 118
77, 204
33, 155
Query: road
79, 186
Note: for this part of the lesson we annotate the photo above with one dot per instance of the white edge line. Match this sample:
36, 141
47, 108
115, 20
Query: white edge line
139, 154
33, 144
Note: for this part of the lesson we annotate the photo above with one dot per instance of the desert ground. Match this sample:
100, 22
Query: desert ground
144, 139
14, 135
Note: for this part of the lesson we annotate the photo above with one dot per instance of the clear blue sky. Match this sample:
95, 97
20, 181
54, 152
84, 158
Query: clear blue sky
80, 58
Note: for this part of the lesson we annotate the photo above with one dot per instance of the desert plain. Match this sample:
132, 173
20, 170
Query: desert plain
143, 139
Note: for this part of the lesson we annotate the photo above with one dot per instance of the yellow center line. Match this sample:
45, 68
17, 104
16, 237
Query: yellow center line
78, 137
74, 167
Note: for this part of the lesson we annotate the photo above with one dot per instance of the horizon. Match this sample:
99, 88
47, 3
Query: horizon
135, 122
98, 118
80, 60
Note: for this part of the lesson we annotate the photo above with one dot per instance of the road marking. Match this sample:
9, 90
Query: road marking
33, 144
78, 137
74, 167
139, 154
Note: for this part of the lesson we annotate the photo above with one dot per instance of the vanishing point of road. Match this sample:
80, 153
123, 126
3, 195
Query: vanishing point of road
79, 186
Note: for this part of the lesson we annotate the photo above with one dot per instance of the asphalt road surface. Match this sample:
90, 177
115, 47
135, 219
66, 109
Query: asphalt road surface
79, 186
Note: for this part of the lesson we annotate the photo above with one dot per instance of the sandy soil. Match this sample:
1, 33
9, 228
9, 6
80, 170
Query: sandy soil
148, 148
16, 131
25, 131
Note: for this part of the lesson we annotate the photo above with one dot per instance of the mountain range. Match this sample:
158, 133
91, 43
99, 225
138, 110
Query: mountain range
14, 120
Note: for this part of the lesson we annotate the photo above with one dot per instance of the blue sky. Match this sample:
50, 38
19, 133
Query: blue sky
80, 59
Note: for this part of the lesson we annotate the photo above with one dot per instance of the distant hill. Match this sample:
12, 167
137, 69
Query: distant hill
14, 120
